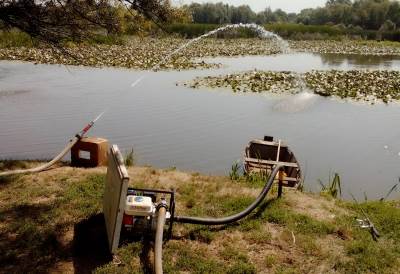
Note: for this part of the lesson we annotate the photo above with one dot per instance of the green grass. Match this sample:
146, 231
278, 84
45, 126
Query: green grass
241, 260
270, 260
14, 38
367, 255
37, 226
242, 268
309, 245
258, 237
179, 257
235, 171
278, 213
201, 234
129, 158
333, 188
129, 255
37, 211
84, 197
286, 270
385, 216
12, 164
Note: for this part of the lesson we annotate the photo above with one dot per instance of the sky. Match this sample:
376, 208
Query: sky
259, 5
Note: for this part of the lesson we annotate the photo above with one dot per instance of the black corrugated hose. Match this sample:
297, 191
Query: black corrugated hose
238, 216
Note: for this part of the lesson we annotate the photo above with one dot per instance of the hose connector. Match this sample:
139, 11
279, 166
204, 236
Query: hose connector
162, 204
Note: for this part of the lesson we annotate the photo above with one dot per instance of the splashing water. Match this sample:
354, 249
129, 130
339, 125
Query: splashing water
298, 102
261, 32
301, 100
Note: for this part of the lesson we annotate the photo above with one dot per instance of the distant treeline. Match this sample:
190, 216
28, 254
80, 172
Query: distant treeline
291, 31
378, 15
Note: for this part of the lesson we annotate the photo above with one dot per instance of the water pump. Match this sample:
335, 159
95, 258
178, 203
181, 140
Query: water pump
142, 209
138, 212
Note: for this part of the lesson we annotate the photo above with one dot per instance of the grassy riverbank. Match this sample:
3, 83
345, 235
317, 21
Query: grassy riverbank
52, 222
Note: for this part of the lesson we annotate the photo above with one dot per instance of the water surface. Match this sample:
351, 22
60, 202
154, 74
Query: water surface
42, 106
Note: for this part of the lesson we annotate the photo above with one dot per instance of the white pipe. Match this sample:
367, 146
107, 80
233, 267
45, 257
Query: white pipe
46, 165
158, 269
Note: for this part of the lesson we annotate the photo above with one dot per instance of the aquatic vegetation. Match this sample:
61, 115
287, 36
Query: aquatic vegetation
129, 158
333, 188
141, 53
393, 189
359, 85
347, 47
364, 85
253, 81
145, 52
235, 171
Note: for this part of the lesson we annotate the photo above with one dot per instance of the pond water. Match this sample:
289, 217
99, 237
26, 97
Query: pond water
204, 130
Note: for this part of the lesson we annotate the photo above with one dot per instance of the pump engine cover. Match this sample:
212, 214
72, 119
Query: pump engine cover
139, 206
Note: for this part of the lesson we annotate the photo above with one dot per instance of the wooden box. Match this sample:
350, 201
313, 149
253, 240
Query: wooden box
89, 152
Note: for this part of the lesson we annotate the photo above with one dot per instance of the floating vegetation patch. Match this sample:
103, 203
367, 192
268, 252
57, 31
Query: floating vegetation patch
142, 53
103, 56
145, 53
368, 86
359, 85
253, 81
347, 47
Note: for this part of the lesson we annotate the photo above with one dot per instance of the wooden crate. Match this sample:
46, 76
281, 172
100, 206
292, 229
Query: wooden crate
89, 152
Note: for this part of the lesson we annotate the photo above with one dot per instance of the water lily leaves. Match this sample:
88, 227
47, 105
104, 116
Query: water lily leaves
345, 47
142, 53
362, 85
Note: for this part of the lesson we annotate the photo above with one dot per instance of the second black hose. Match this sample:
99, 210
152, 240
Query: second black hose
238, 216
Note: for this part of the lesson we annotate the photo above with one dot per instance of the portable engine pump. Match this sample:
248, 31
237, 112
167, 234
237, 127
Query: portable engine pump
140, 212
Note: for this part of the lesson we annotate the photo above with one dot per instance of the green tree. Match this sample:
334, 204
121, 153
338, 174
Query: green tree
56, 20
388, 26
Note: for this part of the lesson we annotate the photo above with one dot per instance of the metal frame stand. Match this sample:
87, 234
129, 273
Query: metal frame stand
152, 192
